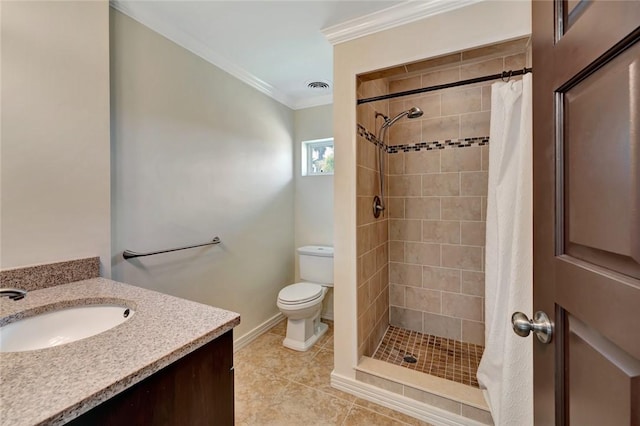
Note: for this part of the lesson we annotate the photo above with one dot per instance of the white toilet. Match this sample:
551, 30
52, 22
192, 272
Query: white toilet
301, 302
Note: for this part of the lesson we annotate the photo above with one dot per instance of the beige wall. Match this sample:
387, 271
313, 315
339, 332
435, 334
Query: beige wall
55, 133
198, 153
313, 194
476, 25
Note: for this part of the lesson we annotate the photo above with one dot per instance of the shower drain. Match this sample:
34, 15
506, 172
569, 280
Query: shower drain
410, 359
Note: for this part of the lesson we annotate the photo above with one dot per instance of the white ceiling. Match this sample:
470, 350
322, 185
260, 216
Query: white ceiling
275, 46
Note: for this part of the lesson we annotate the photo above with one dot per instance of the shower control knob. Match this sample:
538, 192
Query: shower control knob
378, 207
541, 325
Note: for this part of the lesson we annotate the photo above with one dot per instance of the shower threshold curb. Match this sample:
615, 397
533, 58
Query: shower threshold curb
420, 410
444, 388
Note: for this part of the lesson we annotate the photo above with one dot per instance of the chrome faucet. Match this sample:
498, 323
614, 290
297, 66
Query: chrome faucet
13, 293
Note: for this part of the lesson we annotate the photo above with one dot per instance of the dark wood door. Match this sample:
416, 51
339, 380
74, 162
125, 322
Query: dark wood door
586, 121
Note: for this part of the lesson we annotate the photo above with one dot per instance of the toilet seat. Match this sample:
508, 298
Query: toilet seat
299, 293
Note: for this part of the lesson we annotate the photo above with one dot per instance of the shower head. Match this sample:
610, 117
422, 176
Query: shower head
414, 112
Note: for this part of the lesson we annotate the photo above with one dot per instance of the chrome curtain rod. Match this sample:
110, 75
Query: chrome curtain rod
502, 75
128, 254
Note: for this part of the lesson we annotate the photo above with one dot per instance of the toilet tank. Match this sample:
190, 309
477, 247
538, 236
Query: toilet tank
316, 264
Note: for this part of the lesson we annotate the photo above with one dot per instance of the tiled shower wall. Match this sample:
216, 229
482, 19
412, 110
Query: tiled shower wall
372, 234
437, 202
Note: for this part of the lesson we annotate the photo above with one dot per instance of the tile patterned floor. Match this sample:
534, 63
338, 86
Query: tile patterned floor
438, 356
278, 386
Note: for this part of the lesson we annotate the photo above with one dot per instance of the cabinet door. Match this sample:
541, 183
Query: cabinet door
195, 390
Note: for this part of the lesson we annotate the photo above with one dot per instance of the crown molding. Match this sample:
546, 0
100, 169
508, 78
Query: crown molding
185, 40
313, 102
390, 17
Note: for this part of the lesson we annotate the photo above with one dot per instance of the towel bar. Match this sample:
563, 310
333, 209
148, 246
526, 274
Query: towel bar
128, 254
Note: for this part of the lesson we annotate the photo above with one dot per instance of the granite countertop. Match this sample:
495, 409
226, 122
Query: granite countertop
55, 385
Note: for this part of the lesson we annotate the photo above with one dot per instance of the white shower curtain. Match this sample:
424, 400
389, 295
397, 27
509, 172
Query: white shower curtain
506, 368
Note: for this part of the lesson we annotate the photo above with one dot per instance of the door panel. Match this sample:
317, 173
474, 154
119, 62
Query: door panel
602, 23
610, 305
586, 62
571, 11
599, 115
604, 380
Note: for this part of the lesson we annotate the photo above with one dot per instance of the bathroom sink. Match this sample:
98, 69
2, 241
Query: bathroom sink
61, 326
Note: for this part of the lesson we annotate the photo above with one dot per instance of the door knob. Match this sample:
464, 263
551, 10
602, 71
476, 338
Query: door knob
541, 325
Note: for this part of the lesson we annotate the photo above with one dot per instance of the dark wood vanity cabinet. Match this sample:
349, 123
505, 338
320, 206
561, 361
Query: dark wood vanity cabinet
195, 390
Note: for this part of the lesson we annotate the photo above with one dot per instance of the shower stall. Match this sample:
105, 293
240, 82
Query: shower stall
421, 212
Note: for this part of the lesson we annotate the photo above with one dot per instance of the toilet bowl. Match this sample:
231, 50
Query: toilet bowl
301, 302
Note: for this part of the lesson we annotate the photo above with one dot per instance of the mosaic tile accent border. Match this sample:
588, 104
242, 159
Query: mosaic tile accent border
449, 143
438, 356
37, 277
370, 136
424, 146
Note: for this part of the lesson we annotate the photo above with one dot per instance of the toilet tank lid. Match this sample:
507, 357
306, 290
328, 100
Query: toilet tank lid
322, 251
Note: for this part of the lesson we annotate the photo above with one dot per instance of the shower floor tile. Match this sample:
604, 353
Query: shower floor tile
438, 356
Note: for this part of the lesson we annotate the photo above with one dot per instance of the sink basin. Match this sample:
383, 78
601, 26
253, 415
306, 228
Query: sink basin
61, 326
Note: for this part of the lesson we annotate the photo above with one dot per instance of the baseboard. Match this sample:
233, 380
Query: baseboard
249, 337
411, 407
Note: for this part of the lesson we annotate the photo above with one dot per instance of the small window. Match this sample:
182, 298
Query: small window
317, 157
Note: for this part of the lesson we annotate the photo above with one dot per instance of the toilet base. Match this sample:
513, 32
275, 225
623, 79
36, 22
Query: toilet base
296, 334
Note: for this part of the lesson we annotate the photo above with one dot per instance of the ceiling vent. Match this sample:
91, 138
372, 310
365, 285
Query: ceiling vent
318, 85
